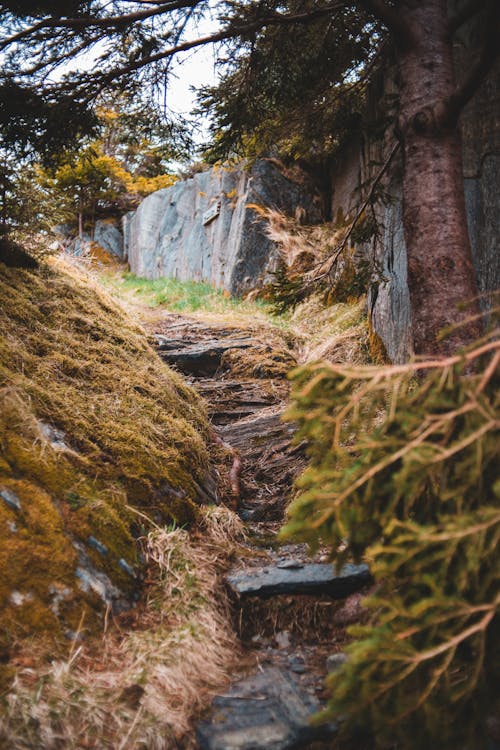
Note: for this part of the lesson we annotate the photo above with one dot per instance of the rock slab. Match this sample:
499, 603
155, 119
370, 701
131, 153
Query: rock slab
266, 711
201, 359
310, 578
207, 228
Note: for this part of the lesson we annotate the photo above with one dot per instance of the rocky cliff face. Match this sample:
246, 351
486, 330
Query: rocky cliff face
207, 228
105, 235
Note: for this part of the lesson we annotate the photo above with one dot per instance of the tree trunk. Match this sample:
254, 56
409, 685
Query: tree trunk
80, 217
440, 273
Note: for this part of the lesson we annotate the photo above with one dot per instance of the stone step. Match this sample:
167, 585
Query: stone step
232, 400
201, 358
253, 435
296, 578
266, 711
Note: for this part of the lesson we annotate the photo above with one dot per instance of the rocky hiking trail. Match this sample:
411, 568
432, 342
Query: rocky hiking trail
290, 610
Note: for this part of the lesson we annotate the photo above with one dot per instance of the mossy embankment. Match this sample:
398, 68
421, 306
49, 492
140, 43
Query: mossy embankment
96, 435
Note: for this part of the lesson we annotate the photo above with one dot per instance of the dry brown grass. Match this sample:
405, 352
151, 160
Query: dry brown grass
141, 685
337, 333
302, 245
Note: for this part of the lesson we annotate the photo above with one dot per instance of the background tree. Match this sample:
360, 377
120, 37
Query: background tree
104, 171
111, 174
136, 41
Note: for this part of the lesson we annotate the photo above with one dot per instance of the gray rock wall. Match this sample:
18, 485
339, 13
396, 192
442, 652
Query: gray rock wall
167, 235
109, 237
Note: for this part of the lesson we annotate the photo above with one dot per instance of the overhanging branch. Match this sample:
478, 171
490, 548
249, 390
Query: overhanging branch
88, 22
231, 32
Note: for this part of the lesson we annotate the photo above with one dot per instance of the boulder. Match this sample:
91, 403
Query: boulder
109, 237
105, 234
208, 228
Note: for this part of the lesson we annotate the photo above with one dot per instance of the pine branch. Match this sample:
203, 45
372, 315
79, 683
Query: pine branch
230, 32
88, 22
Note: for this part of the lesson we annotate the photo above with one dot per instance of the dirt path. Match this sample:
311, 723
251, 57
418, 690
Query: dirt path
290, 610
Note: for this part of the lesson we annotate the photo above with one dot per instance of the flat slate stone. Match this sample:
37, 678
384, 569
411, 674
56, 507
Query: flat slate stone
266, 711
202, 358
311, 578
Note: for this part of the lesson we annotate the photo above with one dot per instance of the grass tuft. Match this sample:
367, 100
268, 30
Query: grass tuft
336, 333
141, 685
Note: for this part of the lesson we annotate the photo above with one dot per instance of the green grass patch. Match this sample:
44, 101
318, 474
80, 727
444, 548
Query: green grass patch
183, 296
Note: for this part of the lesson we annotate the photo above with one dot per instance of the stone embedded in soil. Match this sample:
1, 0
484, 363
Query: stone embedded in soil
310, 578
266, 711
91, 579
10, 498
336, 662
56, 438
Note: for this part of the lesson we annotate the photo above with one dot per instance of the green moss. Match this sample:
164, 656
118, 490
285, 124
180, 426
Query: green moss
132, 437
35, 555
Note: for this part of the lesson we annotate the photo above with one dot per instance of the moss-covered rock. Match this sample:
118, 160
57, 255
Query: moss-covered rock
97, 435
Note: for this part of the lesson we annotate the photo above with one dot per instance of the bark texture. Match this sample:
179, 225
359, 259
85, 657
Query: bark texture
440, 272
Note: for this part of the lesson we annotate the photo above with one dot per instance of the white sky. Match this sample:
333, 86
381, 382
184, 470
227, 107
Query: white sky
189, 70
194, 68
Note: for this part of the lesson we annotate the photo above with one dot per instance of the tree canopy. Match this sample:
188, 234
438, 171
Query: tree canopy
123, 45
101, 175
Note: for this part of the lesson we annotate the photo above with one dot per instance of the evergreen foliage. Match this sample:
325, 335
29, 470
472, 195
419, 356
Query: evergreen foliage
404, 473
286, 292
297, 89
96, 185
